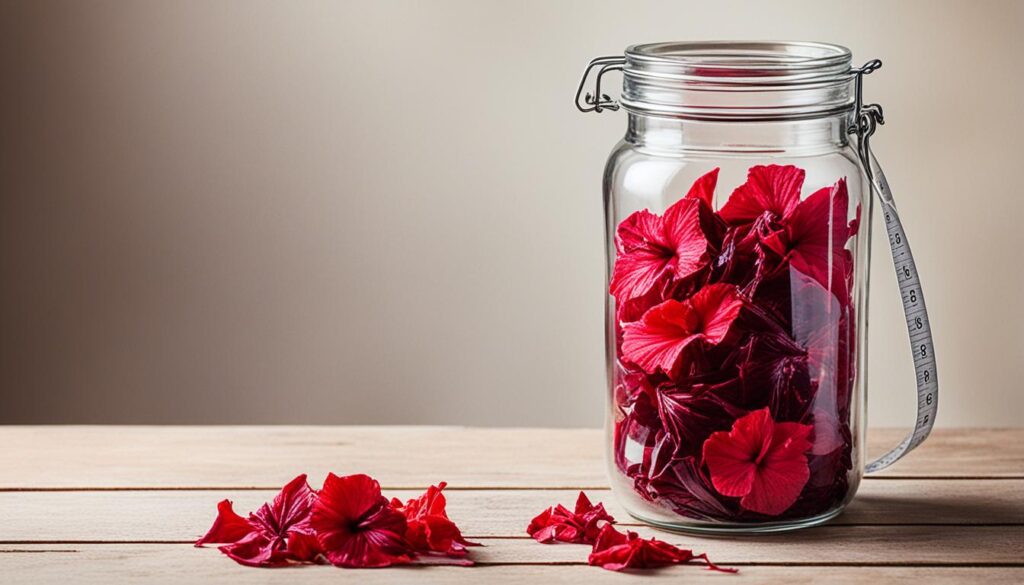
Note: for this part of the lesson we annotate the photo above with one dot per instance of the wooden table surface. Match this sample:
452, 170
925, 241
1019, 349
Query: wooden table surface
94, 504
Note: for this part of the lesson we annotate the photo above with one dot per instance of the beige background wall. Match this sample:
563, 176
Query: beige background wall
378, 212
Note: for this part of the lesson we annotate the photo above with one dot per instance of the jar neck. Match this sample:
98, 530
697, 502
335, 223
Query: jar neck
796, 137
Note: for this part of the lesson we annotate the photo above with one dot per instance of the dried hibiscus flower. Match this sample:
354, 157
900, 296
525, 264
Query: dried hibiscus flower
761, 461
278, 533
356, 526
616, 551
582, 525
429, 528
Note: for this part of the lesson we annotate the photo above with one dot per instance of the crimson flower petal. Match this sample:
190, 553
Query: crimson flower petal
815, 237
643, 256
703, 188
271, 528
762, 461
257, 549
228, 527
429, 528
289, 512
355, 525
653, 249
616, 551
657, 341
771, 188
557, 523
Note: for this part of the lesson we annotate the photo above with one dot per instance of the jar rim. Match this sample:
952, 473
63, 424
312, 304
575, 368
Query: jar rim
749, 80
782, 61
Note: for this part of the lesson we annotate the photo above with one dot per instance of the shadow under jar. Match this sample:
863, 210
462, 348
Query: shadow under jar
738, 218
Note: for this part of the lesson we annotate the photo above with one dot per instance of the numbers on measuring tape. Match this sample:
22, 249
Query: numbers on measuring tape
918, 325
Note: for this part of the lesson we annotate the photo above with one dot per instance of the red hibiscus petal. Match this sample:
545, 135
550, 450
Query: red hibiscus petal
718, 306
771, 188
356, 526
731, 456
429, 528
303, 546
269, 530
642, 256
258, 550
289, 511
559, 524
656, 341
228, 527
684, 234
816, 235
760, 460
784, 472
615, 551
703, 189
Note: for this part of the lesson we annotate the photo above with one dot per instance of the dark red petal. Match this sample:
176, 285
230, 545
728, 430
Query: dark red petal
703, 188
289, 510
228, 527
816, 235
257, 550
771, 188
557, 523
617, 552
303, 546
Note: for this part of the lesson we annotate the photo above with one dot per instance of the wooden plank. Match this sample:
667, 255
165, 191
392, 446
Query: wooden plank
40, 457
175, 564
181, 563
112, 516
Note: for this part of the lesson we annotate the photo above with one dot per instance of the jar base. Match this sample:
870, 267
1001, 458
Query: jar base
725, 528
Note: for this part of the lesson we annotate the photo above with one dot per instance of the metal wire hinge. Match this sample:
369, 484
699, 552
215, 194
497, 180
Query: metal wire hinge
867, 117
597, 101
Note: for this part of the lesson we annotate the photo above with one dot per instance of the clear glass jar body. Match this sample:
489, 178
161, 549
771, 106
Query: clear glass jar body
736, 331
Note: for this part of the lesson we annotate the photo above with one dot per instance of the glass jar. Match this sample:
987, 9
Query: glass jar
738, 210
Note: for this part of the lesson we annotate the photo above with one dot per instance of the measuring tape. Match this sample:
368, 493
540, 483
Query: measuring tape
918, 324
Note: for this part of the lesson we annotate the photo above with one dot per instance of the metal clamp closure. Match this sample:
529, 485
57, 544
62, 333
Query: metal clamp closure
597, 101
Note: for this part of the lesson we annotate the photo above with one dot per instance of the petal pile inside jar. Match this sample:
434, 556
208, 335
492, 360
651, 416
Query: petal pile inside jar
735, 347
